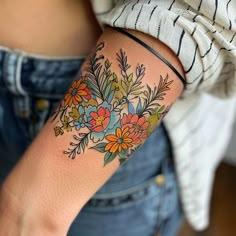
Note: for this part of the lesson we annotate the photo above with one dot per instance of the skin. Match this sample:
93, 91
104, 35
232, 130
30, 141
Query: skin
46, 190
55, 27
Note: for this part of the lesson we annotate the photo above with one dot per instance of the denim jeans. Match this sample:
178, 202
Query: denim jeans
141, 197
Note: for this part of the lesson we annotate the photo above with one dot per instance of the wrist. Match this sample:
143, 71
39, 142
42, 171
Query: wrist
25, 219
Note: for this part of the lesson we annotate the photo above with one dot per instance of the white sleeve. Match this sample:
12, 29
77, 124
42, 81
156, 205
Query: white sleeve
202, 33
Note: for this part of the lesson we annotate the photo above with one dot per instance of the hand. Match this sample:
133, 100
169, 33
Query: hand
16, 220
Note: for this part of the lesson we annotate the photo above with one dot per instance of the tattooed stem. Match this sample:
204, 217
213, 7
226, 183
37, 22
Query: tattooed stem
57, 112
119, 103
78, 147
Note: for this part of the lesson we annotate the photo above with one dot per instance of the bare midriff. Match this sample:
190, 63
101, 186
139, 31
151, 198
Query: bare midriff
48, 27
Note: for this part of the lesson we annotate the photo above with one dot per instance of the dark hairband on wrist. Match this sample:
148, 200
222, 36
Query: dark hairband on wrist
153, 52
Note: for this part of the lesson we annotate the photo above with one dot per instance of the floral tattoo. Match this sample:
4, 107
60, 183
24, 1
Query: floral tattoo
100, 107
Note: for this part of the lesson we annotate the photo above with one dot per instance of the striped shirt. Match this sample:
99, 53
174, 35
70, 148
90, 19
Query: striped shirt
202, 33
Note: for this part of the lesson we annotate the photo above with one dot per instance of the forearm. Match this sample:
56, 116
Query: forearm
106, 115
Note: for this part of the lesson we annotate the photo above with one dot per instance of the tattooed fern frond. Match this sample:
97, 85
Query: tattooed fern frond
99, 76
130, 85
157, 94
79, 147
106, 80
94, 71
164, 85
136, 85
123, 63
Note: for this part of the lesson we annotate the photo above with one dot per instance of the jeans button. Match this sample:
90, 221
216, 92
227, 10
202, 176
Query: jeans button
160, 180
156, 234
42, 104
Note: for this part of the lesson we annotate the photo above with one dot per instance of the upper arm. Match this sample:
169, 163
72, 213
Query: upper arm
120, 96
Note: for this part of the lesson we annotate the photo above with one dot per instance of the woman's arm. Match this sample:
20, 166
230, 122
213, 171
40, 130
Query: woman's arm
122, 93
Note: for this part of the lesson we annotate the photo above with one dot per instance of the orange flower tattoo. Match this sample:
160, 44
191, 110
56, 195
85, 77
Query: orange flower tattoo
119, 141
77, 92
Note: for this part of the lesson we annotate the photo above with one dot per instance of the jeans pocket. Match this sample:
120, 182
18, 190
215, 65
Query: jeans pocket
164, 195
137, 211
125, 198
132, 212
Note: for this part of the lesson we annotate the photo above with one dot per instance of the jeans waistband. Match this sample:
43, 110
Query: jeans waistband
25, 74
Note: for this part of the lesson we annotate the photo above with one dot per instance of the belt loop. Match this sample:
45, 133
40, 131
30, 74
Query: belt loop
12, 72
12, 76
19, 87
